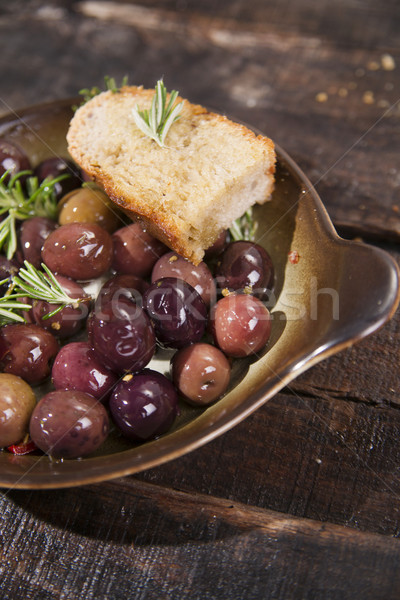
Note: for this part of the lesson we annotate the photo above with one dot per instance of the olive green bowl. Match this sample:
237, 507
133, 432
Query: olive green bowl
329, 294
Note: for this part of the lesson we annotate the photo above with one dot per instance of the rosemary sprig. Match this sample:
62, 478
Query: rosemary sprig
34, 284
244, 228
156, 121
10, 307
18, 205
111, 85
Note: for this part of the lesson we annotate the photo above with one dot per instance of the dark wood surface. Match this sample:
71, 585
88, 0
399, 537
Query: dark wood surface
301, 500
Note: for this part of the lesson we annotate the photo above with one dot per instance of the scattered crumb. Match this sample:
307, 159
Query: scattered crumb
173, 258
225, 292
318, 460
388, 62
395, 208
127, 377
342, 92
373, 65
56, 325
368, 98
383, 104
321, 97
294, 257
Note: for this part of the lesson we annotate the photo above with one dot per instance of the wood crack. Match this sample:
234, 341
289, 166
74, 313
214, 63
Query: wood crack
313, 391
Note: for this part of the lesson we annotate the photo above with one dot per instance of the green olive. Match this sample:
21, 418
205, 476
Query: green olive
17, 401
89, 205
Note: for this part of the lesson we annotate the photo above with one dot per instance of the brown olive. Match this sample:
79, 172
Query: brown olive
17, 402
89, 205
201, 372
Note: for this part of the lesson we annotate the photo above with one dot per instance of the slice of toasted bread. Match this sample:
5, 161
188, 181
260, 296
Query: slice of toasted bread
209, 173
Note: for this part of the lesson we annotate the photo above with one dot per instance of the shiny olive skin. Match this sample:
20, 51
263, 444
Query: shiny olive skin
27, 351
77, 367
17, 402
122, 336
135, 251
201, 373
54, 167
32, 236
78, 250
240, 324
199, 277
122, 286
245, 266
177, 311
89, 205
68, 424
12, 159
144, 406
70, 319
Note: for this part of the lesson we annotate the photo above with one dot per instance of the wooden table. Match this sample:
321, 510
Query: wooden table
301, 500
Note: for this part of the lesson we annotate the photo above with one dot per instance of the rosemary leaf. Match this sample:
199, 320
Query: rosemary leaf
9, 316
244, 228
38, 200
157, 121
110, 84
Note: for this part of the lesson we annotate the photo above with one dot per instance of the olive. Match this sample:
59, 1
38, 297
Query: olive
33, 234
12, 159
78, 250
69, 424
199, 277
135, 251
240, 325
54, 167
201, 372
17, 402
27, 351
89, 205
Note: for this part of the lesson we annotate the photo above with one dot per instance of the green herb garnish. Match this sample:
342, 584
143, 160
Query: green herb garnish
111, 85
244, 228
36, 285
32, 283
17, 205
156, 122
10, 307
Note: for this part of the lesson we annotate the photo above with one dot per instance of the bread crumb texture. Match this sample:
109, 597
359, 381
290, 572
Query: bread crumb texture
209, 173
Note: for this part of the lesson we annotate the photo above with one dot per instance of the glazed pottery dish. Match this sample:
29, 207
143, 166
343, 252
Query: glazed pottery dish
329, 293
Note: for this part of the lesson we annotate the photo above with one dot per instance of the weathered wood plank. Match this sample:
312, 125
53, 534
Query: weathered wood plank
311, 456
326, 95
315, 78
132, 539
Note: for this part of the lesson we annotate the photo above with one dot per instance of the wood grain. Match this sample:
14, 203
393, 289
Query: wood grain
191, 547
269, 65
301, 500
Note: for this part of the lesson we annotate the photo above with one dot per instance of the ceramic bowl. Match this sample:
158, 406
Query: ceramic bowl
329, 294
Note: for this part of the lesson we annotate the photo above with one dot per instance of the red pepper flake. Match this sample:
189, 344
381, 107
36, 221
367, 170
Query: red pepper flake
22, 448
294, 257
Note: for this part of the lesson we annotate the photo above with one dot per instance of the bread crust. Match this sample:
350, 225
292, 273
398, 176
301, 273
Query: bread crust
167, 207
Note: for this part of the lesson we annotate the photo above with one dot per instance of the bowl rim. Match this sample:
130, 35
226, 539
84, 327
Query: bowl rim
120, 464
